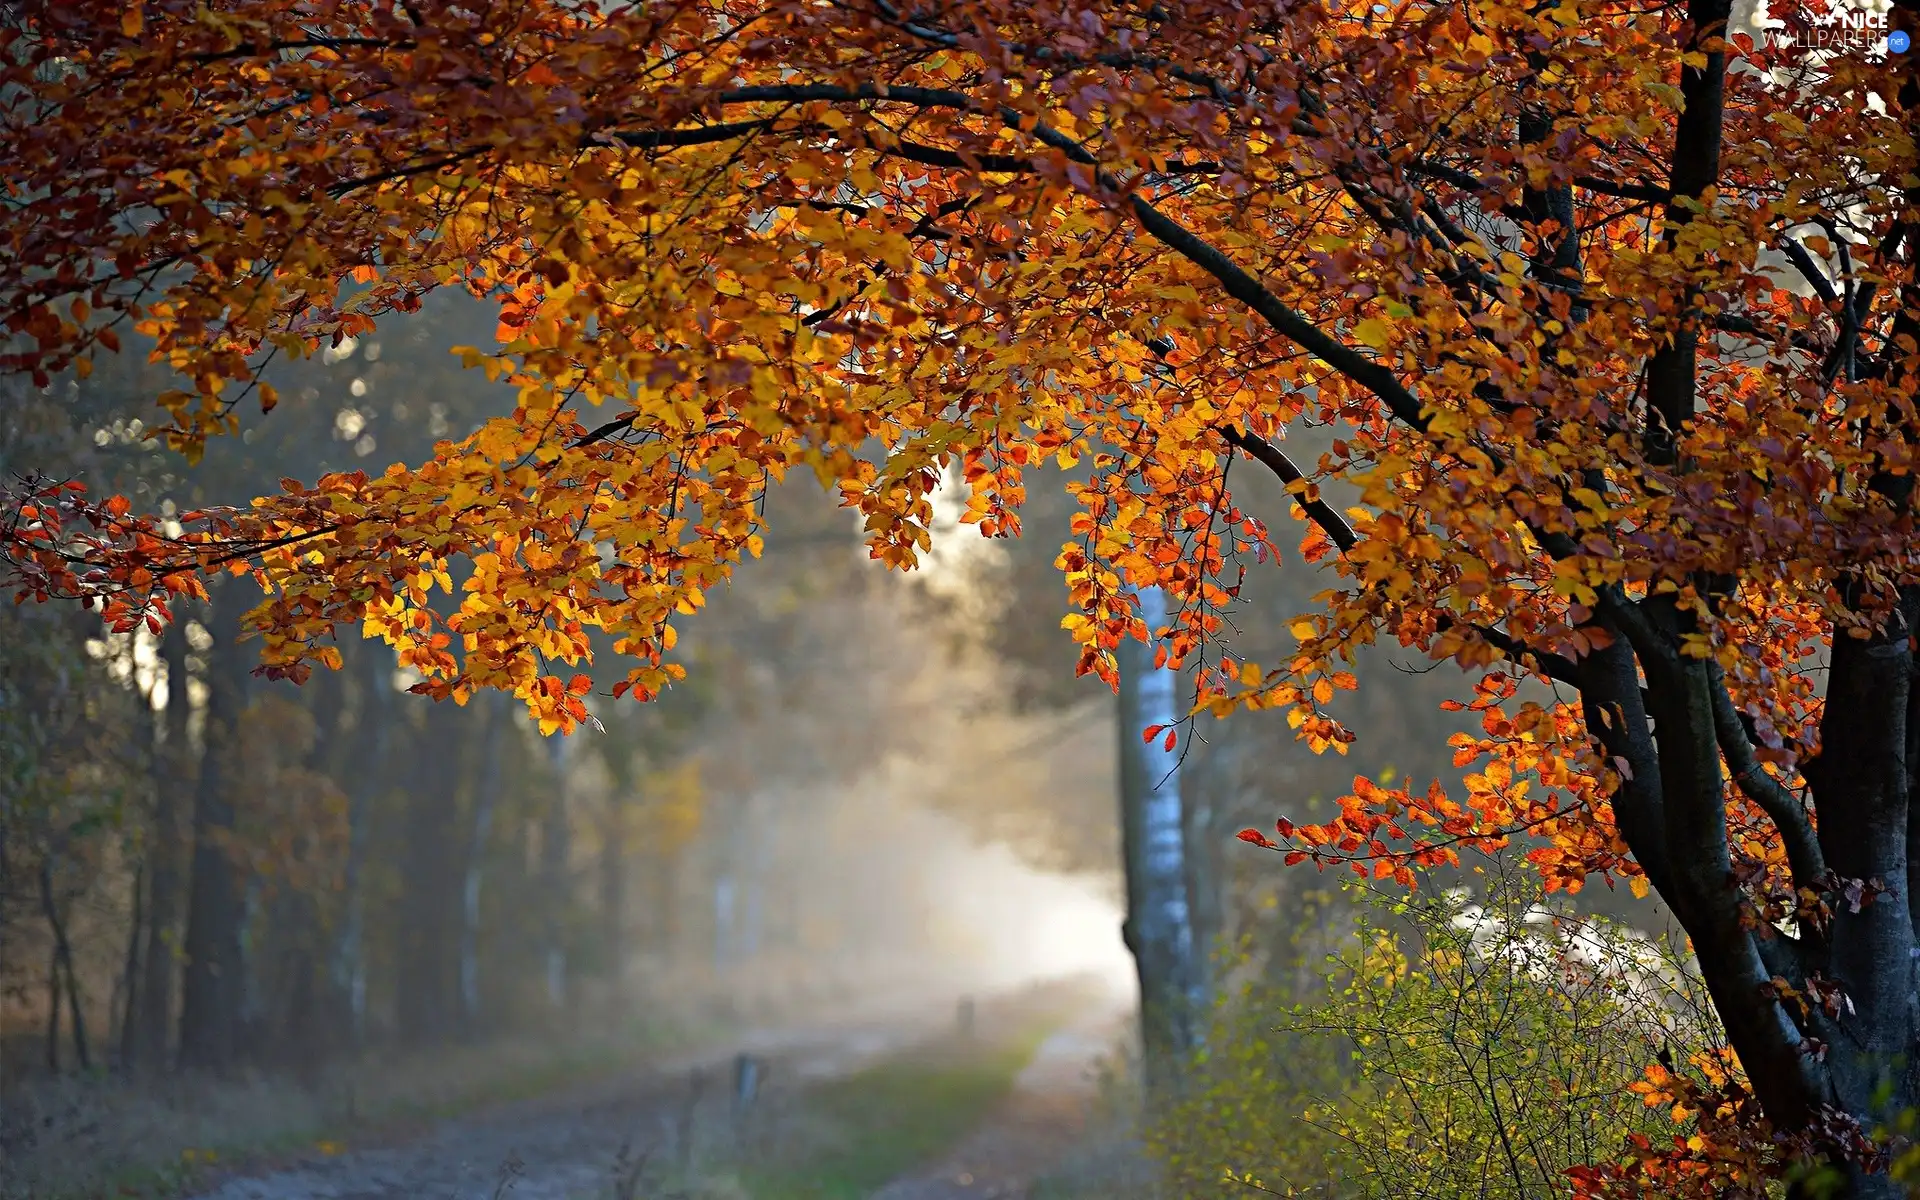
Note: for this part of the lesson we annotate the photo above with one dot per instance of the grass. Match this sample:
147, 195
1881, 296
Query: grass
102, 1138
870, 1128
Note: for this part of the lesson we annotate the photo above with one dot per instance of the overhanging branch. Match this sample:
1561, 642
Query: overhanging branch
1274, 459
1235, 279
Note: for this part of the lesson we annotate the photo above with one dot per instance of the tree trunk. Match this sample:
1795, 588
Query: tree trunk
347, 971
485, 799
613, 897
723, 920
6, 889
53, 1010
1159, 924
300, 1033
62, 960
1209, 832
556, 849
663, 916
129, 988
250, 1039
124, 1006
210, 996
1814, 1069
753, 879
427, 922
173, 773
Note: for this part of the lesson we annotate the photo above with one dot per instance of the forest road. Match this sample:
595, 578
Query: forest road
1033, 1130
581, 1143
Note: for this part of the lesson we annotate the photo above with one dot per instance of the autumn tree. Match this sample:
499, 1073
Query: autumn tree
1612, 305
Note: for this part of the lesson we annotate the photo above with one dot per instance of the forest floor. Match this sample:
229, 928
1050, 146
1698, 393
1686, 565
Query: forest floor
900, 1108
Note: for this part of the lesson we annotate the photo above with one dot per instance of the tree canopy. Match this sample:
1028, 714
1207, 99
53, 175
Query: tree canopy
1611, 306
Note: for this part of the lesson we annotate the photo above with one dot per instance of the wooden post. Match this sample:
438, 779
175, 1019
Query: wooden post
746, 1082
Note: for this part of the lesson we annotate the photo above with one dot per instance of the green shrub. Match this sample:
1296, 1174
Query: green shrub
1453, 1047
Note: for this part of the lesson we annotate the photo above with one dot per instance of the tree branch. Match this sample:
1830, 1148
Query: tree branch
1554, 666
1810, 270
648, 139
1616, 715
1274, 459
1809, 866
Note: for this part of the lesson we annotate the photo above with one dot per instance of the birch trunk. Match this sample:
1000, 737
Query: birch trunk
1159, 926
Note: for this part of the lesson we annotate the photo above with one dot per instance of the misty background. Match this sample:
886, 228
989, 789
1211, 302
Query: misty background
870, 784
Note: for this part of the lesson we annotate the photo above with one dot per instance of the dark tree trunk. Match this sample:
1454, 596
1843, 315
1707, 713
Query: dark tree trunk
556, 880
129, 988
250, 1039
6, 886
53, 1011
366, 773
1815, 1070
429, 899
173, 777
125, 1007
290, 959
62, 961
487, 788
210, 996
299, 1027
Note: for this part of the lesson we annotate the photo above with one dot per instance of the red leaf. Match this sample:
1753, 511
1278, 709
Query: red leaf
1173, 736
1151, 732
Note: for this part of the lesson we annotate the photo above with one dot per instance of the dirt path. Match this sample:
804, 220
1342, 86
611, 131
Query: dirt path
573, 1146
1034, 1128
582, 1144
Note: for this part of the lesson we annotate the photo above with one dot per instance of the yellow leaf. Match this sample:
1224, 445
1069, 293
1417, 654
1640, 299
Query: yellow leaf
132, 20
1374, 332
